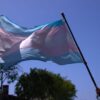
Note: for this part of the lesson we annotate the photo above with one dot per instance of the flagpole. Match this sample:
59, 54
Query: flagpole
84, 61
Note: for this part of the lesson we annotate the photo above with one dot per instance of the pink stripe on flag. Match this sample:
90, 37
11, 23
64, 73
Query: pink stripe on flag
51, 41
7, 40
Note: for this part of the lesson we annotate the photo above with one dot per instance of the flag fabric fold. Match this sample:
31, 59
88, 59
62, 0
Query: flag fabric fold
49, 42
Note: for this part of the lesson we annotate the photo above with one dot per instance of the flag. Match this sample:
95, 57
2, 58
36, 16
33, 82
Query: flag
48, 42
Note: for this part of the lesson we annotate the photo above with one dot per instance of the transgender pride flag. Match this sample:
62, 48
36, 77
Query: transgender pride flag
49, 42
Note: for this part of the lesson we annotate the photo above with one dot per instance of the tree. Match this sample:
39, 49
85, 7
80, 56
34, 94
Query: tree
10, 74
43, 85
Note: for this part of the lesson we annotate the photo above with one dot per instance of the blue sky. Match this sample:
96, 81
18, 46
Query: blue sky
84, 19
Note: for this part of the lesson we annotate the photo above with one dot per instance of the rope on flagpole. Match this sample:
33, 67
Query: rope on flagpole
84, 61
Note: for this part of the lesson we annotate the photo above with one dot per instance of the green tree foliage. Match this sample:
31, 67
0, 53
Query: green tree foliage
43, 85
10, 74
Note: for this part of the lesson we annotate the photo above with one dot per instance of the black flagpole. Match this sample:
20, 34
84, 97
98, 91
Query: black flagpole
84, 61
